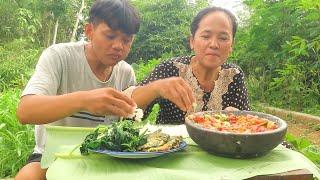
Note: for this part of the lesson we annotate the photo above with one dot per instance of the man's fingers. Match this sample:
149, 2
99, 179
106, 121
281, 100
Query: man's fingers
114, 110
119, 103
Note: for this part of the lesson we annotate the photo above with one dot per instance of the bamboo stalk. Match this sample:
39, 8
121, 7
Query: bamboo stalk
73, 36
55, 31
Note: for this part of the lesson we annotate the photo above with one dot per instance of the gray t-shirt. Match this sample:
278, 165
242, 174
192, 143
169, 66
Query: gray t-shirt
63, 68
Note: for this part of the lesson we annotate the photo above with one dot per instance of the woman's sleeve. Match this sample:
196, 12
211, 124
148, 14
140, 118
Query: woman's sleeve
164, 70
237, 95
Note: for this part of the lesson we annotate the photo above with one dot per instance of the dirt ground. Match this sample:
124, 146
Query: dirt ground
310, 131
299, 124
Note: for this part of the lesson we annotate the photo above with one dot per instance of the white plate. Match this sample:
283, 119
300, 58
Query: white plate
136, 155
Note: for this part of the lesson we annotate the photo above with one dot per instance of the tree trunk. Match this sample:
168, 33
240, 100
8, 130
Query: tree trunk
49, 35
55, 31
79, 14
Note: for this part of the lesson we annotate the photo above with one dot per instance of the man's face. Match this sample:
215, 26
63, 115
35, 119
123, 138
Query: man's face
109, 46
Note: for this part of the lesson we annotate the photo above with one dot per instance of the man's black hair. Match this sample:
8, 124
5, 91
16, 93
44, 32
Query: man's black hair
117, 14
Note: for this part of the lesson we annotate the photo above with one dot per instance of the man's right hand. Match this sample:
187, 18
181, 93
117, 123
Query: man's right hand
108, 101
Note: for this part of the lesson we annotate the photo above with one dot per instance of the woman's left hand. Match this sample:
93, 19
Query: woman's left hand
230, 108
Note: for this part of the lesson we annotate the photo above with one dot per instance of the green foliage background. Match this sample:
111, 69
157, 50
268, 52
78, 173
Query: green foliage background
165, 29
277, 46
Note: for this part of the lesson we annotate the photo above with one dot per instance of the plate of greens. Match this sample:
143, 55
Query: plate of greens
125, 139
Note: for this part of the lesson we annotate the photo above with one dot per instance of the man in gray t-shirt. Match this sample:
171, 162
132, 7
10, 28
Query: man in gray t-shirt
79, 84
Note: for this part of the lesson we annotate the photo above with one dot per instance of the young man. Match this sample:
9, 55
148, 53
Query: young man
79, 84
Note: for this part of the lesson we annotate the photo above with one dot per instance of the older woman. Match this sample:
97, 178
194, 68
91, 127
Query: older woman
204, 78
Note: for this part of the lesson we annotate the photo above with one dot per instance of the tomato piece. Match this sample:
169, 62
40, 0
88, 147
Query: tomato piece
232, 118
199, 119
261, 129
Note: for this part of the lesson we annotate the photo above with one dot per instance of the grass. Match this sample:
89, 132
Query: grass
16, 140
17, 62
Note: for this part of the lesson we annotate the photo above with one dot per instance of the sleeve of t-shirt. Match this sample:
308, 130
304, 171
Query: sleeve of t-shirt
47, 76
132, 77
129, 78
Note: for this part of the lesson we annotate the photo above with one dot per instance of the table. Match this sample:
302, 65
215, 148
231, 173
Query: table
193, 163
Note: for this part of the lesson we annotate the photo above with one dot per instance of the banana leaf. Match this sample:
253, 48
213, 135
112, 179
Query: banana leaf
192, 163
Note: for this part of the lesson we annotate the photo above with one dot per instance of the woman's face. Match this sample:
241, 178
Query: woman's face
212, 42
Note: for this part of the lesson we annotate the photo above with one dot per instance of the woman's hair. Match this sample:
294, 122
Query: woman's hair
117, 14
197, 19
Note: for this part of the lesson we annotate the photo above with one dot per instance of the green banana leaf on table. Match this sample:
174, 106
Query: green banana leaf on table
191, 163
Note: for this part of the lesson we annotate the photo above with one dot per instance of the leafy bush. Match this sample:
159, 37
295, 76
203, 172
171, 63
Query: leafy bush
18, 21
270, 26
279, 50
17, 61
144, 69
164, 29
295, 84
35, 20
16, 140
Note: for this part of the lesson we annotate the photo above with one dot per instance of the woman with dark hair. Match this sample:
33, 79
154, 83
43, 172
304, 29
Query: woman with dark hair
204, 79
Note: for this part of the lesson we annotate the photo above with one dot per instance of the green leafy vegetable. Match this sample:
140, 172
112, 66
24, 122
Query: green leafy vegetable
120, 136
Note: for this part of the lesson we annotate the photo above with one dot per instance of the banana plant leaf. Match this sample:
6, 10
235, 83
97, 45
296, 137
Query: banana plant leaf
192, 163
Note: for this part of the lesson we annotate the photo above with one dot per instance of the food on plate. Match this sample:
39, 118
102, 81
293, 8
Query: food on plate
173, 142
137, 115
155, 139
233, 123
126, 136
119, 136
158, 141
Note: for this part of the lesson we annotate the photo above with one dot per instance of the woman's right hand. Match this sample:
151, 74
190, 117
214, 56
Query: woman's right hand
176, 90
108, 101
230, 108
